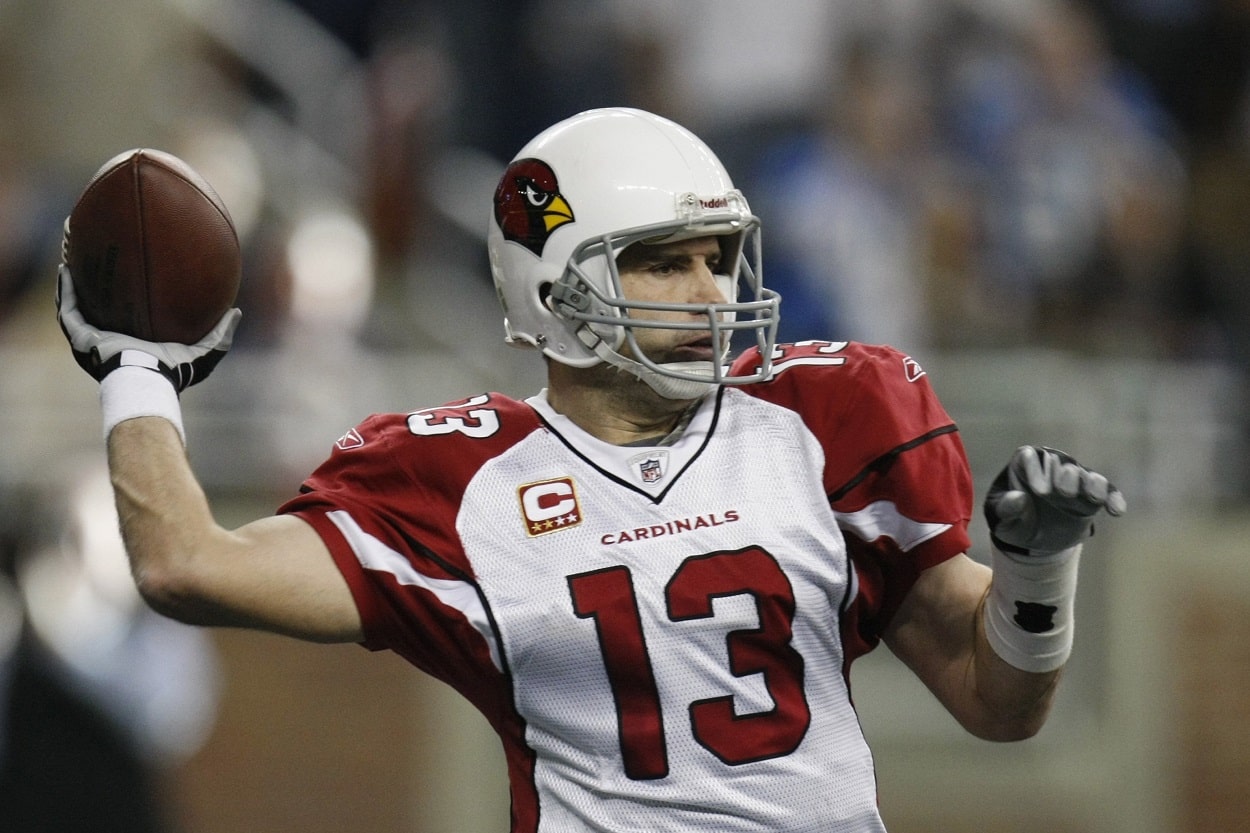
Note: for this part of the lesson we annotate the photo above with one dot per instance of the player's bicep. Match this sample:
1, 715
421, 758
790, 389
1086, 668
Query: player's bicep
277, 574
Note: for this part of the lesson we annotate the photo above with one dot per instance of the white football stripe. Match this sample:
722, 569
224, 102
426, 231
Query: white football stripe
460, 595
883, 518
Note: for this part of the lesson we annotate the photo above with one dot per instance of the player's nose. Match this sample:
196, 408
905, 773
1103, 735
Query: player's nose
707, 285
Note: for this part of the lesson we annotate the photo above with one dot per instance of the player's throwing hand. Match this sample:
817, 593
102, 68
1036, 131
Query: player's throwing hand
100, 353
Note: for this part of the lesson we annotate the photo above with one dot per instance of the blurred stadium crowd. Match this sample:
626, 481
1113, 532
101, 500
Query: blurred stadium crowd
941, 175
964, 173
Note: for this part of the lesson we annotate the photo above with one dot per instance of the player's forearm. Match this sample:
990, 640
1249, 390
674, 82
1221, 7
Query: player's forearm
166, 521
1040, 510
1013, 704
191, 569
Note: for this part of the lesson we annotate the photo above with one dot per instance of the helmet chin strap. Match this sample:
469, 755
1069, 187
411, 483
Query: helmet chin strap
669, 387
673, 388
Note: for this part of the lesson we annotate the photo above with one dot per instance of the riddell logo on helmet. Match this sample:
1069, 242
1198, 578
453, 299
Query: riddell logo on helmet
529, 205
713, 202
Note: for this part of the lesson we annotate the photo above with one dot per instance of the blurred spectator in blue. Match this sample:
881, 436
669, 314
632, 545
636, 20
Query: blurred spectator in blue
993, 177
844, 204
1084, 189
740, 73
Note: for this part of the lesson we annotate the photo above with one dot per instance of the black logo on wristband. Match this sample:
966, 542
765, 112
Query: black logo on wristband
1035, 618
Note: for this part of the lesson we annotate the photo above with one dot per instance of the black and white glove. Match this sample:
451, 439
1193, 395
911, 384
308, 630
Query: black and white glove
100, 352
1044, 502
1040, 510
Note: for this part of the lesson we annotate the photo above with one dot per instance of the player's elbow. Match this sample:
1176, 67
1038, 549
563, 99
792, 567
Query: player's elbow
171, 591
1006, 723
1008, 730
161, 590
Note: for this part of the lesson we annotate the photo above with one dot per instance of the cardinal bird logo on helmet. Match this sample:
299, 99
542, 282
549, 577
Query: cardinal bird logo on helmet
528, 204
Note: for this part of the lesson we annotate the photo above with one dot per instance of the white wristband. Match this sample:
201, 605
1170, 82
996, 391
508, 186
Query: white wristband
1028, 615
134, 391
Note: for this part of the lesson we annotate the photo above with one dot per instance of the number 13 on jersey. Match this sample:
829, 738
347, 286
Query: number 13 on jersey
609, 598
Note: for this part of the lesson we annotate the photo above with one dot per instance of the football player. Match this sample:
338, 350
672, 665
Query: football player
652, 576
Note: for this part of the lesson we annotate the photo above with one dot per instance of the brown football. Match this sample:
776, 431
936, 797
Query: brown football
152, 250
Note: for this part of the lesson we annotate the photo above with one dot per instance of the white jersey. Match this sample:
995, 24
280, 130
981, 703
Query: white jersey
660, 635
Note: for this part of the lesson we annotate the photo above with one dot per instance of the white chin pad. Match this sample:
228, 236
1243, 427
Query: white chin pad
673, 388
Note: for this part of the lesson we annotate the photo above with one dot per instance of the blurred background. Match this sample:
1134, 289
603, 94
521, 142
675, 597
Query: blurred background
1046, 203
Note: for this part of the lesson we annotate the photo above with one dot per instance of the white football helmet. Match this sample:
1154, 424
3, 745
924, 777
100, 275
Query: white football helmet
574, 198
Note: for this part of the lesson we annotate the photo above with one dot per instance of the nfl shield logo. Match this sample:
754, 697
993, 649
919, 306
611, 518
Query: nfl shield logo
650, 467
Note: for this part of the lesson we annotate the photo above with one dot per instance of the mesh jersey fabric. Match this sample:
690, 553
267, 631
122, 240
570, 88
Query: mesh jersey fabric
659, 649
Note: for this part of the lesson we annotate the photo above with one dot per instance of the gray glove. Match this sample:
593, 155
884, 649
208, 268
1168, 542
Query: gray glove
100, 352
1044, 502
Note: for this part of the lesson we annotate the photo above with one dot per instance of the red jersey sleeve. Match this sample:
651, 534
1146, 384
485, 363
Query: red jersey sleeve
896, 473
386, 503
